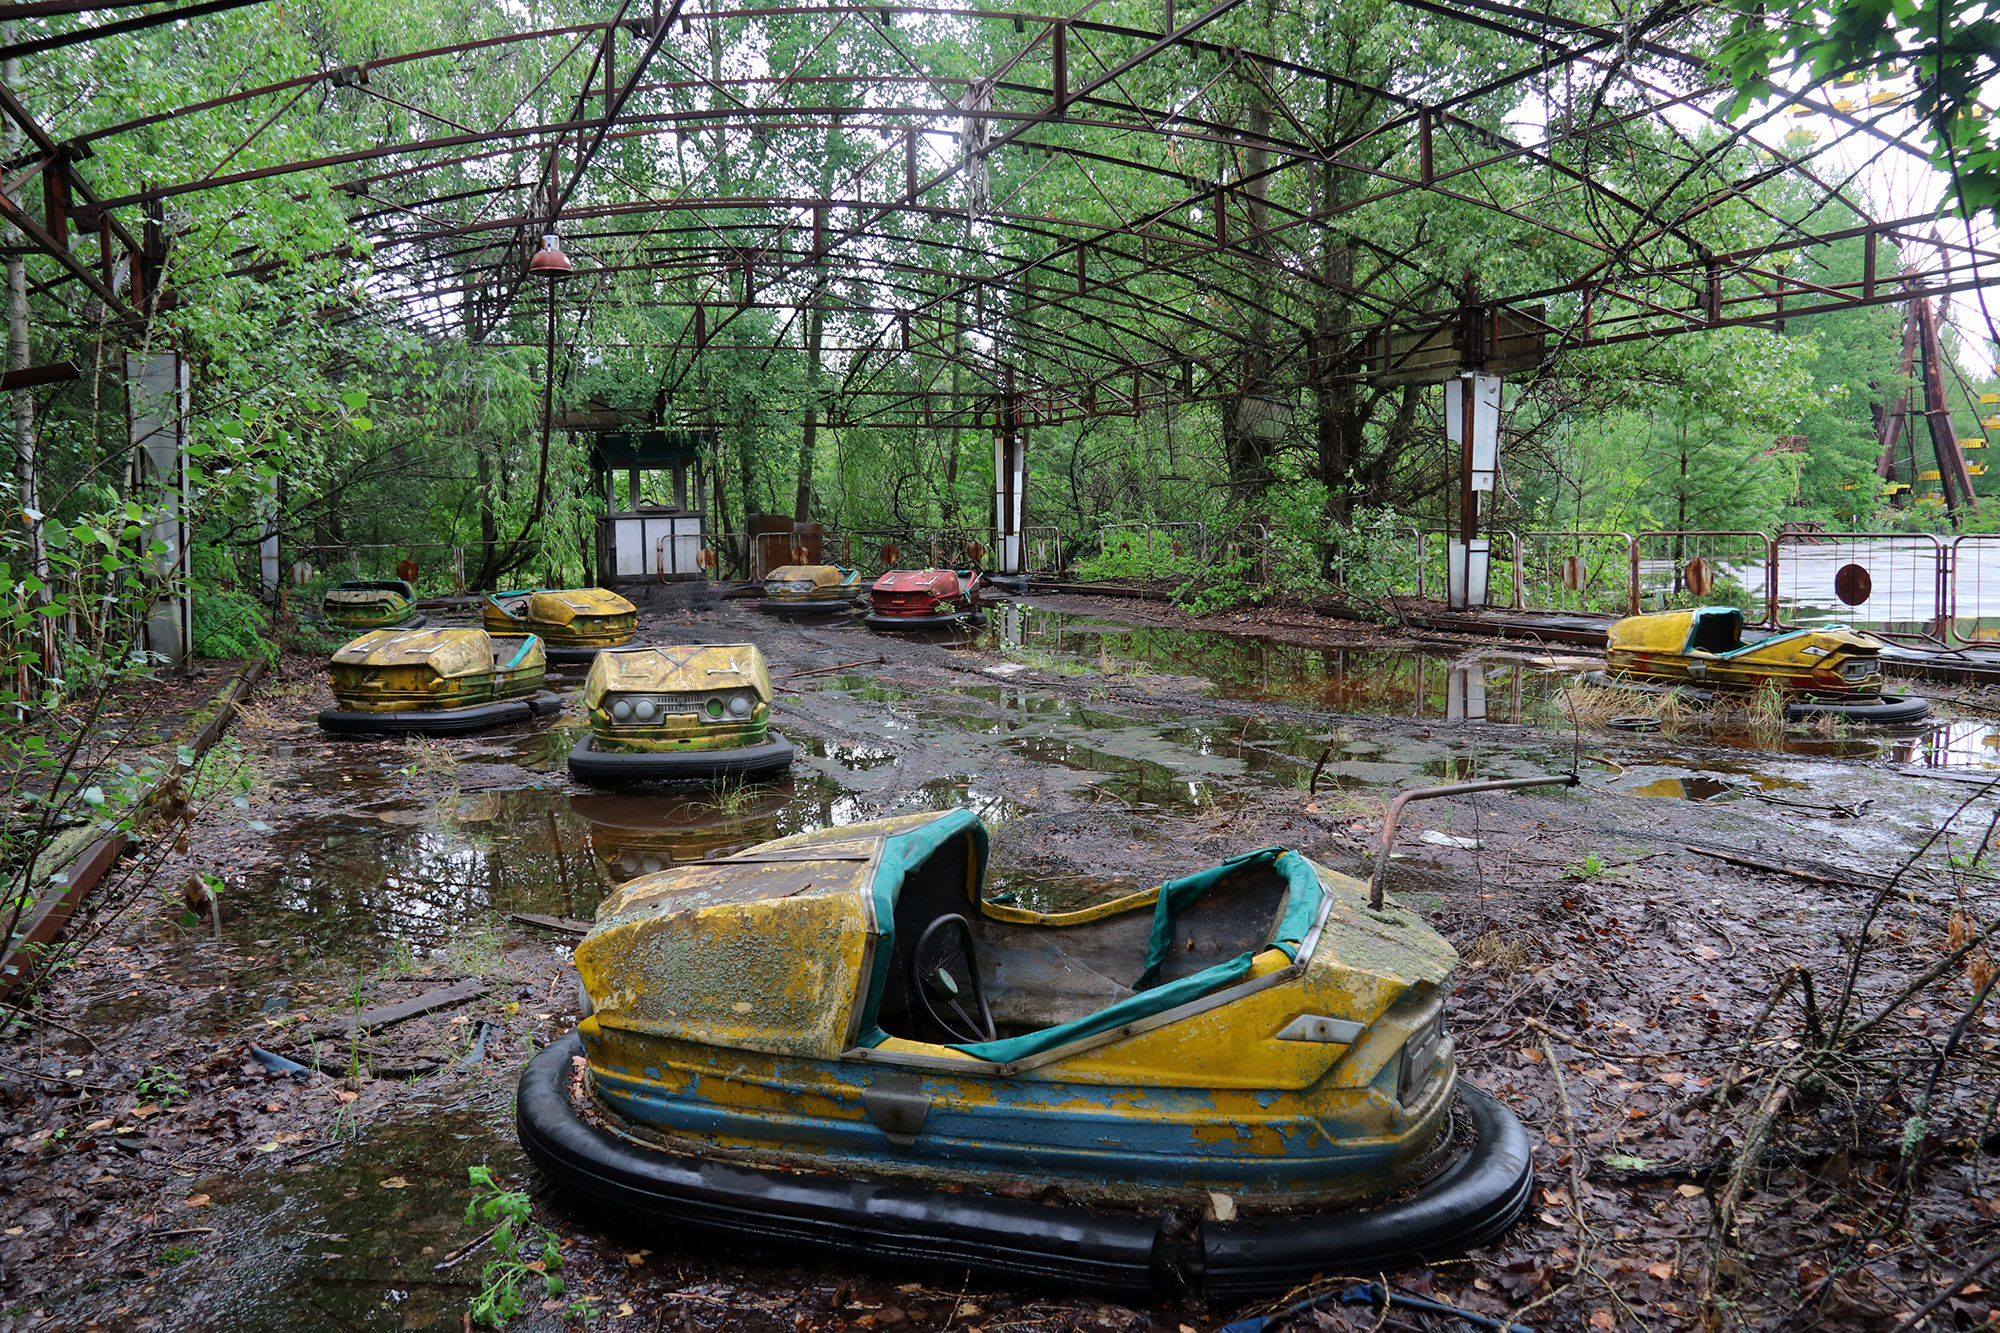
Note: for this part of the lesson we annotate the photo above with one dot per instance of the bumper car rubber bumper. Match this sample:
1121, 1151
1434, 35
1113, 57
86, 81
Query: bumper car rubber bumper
1470, 1203
1881, 710
972, 620
611, 768
439, 721
582, 656
772, 606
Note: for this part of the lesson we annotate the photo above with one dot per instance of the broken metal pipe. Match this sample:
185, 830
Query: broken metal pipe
1430, 793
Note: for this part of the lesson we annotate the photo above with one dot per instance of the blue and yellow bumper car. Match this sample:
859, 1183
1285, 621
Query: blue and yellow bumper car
835, 1041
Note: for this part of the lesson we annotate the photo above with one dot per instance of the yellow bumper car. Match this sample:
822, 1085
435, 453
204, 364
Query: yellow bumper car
660, 714
1227, 1084
572, 623
810, 590
435, 682
1832, 672
370, 604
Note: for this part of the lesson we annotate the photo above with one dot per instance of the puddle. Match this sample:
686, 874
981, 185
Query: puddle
1478, 683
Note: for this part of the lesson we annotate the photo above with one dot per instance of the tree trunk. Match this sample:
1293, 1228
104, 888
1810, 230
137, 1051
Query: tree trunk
27, 479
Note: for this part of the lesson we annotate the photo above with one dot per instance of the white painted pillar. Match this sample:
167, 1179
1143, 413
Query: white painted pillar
1472, 422
1010, 484
157, 414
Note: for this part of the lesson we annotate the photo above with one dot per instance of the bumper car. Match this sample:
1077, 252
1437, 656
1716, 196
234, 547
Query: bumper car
835, 1041
1702, 653
370, 604
572, 623
436, 682
666, 714
810, 590
923, 599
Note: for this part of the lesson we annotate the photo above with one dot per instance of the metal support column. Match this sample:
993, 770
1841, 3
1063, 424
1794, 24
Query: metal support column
1010, 482
1472, 422
158, 407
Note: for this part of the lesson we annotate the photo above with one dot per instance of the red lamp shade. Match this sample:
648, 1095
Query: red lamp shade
550, 261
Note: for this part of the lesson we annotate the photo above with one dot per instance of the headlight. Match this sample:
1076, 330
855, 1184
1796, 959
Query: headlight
714, 708
644, 710
1420, 1055
739, 706
622, 710
1857, 668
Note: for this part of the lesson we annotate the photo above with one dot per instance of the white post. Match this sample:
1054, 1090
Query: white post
1475, 399
269, 575
157, 399
1010, 481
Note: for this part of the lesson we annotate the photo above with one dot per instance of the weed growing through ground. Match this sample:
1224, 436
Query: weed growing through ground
177, 1254
428, 758
476, 949
163, 1086
1590, 867
501, 1296
729, 796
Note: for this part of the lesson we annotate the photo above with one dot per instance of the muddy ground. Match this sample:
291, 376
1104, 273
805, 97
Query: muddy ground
1615, 991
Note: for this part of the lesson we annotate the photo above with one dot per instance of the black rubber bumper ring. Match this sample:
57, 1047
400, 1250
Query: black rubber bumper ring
973, 621
1470, 1203
771, 606
614, 768
438, 722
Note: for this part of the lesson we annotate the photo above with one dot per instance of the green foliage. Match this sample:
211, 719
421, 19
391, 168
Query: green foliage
506, 1278
1953, 47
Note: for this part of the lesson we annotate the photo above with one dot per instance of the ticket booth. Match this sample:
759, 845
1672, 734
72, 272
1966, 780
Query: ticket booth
654, 500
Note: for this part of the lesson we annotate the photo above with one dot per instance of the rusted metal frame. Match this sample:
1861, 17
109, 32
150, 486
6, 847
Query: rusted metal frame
542, 82
58, 40
1894, 231
1573, 25
381, 96
48, 245
1204, 19
1824, 308
875, 272
251, 138
10, 103
369, 154
1783, 161
1737, 189
380, 62
1735, 136
41, 9
392, 208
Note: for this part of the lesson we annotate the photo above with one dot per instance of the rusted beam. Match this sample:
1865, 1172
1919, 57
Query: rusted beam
57, 40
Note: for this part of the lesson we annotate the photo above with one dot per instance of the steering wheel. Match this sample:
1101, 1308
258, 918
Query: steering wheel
945, 980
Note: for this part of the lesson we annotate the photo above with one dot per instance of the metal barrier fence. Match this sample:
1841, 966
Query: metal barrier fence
1573, 571
309, 566
1907, 591
1735, 569
1975, 589
1173, 532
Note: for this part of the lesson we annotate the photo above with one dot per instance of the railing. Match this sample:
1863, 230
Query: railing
315, 566
1674, 570
1906, 594
1573, 571
1975, 589
1175, 546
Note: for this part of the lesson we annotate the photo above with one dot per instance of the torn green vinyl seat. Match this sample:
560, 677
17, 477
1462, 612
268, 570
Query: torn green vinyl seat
904, 852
